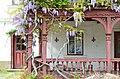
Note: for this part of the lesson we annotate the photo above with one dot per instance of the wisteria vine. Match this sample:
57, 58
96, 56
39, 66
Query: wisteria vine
51, 7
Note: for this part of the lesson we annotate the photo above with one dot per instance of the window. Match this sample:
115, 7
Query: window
75, 45
20, 43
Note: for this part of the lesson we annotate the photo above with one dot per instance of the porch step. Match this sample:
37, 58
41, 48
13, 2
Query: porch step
15, 70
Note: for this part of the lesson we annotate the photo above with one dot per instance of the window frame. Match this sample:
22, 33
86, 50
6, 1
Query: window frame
75, 45
20, 43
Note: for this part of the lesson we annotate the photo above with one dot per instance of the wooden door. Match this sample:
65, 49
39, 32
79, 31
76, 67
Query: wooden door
19, 52
117, 46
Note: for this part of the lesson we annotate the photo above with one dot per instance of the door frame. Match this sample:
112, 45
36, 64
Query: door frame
14, 53
116, 33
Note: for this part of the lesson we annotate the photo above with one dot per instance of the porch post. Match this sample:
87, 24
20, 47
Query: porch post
44, 44
108, 43
30, 38
40, 44
108, 46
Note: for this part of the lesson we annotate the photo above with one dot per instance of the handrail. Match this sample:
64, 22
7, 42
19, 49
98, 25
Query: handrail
78, 59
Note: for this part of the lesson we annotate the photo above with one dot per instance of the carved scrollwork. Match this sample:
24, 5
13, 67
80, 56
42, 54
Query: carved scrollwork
30, 37
108, 37
44, 37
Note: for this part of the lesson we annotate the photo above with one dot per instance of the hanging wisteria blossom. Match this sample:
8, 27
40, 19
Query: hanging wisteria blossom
44, 9
67, 34
31, 5
60, 24
93, 2
65, 13
84, 8
77, 16
54, 11
72, 33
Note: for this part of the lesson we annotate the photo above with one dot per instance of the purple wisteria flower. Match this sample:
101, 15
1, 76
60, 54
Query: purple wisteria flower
65, 13
30, 24
67, 34
34, 43
73, 33
31, 5
44, 9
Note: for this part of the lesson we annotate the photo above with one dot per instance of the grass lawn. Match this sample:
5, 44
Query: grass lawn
9, 75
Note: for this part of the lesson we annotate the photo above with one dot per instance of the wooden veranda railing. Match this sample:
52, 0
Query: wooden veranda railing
82, 65
78, 65
115, 67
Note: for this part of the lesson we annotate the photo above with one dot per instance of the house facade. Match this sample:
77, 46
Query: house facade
95, 46
6, 7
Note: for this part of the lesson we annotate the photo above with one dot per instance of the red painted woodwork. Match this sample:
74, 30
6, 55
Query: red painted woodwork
12, 50
99, 13
80, 65
115, 65
18, 53
44, 44
40, 43
83, 65
30, 39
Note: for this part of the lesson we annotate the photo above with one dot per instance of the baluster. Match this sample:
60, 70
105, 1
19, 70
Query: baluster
71, 66
81, 71
40, 67
117, 67
53, 71
57, 63
84, 64
49, 70
90, 67
99, 66
104, 64
66, 65
63, 65
113, 67
58, 66
76, 66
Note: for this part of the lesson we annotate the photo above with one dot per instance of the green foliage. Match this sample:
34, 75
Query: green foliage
52, 4
26, 75
48, 77
76, 76
11, 31
118, 1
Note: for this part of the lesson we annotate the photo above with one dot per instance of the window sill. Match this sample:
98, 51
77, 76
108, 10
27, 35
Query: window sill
75, 56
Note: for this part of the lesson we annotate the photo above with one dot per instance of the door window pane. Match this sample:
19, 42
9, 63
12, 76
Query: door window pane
20, 43
23, 47
18, 40
17, 47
